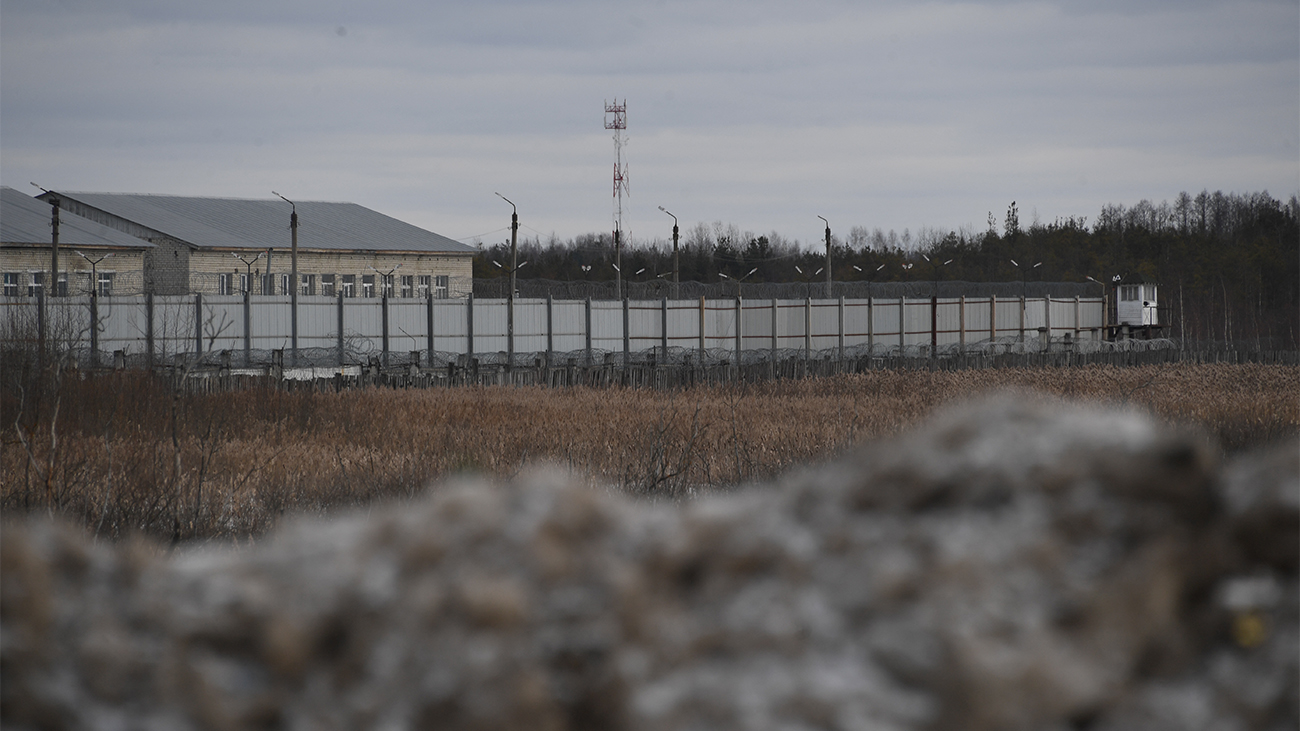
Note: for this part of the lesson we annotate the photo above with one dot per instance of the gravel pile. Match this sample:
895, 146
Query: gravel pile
1014, 564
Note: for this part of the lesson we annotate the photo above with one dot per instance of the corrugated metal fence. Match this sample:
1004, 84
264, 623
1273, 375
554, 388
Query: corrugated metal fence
251, 330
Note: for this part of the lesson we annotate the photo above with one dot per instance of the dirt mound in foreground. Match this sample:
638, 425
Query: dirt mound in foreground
1014, 564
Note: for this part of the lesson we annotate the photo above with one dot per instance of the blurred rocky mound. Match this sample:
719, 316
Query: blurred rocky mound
1015, 564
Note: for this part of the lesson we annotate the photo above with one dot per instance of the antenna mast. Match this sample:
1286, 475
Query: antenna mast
616, 119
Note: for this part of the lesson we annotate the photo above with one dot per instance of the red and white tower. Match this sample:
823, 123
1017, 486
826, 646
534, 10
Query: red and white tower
616, 119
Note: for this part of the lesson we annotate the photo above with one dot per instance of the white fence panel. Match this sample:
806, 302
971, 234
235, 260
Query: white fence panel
489, 326
450, 326
825, 324
607, 325
530, 325
407, 327
362, 325
756, 324
645, 324
569, 324
684, 324
318, 322
791, 323
720, 324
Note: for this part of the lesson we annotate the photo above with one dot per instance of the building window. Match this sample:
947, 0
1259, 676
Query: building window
367, 285
349, 285
38, 284
426, 283
11, 284
441, 286
225, 283
285, 287
327, 285
308, 284
408, 286
1129, 293
388, 285
244, 283
105, 284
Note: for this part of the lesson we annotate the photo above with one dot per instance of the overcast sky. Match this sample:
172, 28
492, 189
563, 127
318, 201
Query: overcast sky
763, 114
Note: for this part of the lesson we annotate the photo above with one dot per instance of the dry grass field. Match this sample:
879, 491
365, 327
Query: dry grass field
123, 453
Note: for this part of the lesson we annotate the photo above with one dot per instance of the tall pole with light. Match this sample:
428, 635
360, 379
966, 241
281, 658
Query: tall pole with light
294, 284
675, 269
94, 306
510, 296
828, 256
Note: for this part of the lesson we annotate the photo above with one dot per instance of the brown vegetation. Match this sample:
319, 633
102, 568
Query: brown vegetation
124, 453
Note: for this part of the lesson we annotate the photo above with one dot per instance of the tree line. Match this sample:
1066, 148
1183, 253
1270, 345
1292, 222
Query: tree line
1228, 264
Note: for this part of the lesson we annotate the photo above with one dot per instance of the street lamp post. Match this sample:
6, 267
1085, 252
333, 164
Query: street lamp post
294, 284
870, 275
675, 269
1023, 273
248, 264
94, 306
828, 257
510, 296
738, 280
807, 278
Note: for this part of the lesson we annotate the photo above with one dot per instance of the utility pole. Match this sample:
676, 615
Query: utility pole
293, 277
510, 297
55, 202
828, 257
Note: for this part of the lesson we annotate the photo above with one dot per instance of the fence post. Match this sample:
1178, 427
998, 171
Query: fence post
198, 323
841, 329
663, 329
148, 328
993, 318
587, 331
428, 323
739, 335
342, 359
627, 340
902, 325
469, 328
934, 326
775, 303
1022, 319
550, 330
961, 327
94, 325
1076, 318
701, 330
383, 324
871, 327
807, 328
1047, 322
248, 325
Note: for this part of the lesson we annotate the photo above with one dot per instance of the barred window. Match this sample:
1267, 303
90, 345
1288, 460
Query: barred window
327, 285
408, 285
12, 280
426, 283
307, 285
349, 285
105, 284
442, 285
367, 285
225, 283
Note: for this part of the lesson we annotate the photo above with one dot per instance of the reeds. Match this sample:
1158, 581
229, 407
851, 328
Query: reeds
125, 452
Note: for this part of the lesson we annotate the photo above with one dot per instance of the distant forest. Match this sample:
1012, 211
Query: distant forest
1228, 264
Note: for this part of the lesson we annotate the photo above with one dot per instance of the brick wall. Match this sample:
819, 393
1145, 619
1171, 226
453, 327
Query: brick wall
126, 266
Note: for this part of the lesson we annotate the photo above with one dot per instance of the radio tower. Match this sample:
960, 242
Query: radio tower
616, 119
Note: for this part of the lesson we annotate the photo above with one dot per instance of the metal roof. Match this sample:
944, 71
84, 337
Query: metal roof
26, 220
260, 224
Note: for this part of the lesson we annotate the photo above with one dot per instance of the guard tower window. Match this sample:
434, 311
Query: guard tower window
1130, 293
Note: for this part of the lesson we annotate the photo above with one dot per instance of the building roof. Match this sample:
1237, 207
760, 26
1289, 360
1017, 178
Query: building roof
258, 224
26, 220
